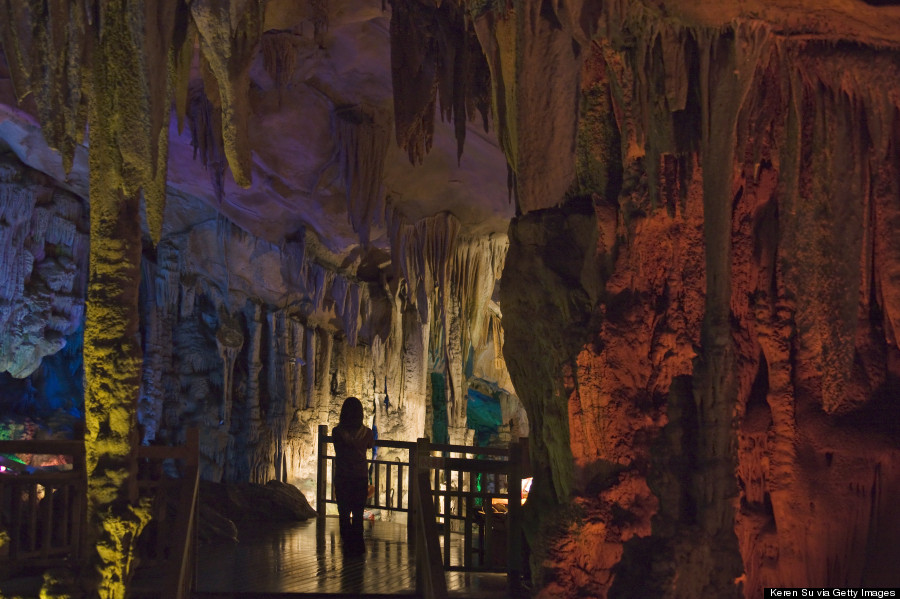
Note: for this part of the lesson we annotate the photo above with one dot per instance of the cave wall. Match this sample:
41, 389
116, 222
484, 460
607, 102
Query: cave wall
43, 272
258, 344
44, 240
719, 357
254, 343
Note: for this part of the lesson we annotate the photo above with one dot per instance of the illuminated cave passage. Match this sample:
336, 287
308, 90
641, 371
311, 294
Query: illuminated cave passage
656, 238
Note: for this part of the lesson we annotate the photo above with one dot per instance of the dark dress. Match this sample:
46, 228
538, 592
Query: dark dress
351, 482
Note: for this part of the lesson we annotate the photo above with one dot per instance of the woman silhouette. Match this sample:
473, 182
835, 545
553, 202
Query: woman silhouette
351, 441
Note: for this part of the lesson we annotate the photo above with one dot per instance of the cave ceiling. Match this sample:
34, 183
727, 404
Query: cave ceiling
296, 181
339, 62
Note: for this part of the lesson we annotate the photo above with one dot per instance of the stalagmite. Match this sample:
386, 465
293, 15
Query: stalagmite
524, 48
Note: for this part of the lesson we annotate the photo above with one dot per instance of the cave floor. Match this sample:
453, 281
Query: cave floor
289, 559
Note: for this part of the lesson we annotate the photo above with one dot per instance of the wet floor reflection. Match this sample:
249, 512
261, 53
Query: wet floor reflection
307, 557
288, 558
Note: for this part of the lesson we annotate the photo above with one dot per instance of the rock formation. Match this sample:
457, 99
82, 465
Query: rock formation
741, 322
696, 308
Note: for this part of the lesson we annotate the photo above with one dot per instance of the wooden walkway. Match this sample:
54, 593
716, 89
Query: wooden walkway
288, 560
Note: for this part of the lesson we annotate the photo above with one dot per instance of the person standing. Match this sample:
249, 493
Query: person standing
351, 478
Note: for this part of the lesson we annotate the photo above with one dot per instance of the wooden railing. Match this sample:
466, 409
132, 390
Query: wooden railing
431, 583
397, 476
43, 513
174, 540
478, 496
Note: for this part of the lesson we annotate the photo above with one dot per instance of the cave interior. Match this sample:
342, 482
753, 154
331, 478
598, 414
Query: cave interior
654, 237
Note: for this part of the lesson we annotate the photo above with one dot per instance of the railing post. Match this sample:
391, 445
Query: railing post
514, 517
431, 582
321, 470
417, 461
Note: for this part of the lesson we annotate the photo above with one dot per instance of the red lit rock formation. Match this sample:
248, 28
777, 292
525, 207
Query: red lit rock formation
731, 414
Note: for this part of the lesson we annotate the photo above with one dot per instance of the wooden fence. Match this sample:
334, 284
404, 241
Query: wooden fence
170, 555
475, 491
43, 512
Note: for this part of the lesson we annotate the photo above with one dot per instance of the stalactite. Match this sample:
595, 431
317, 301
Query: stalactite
162, 19
275, 356
438, 236
406, 260
387, 355
249, 458
48, 62
46, 59
325, 346
415, 89
229, 341
454, 355
229, 41
279, 56
206, 135
319, 9
524, 48
339, 287
166, 285
279, 414
295, 264
297, 341
351, 314
188, 293
183, 53
415, 372
362, 140
158, 323
317, 281
432, 52
476, 268
310, 356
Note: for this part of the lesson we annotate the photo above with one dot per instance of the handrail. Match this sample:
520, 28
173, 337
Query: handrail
431, 582
392, 443
469, 449
468, 465
45, 447
178, 584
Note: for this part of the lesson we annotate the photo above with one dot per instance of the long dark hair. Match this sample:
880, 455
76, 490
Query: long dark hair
351, 413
